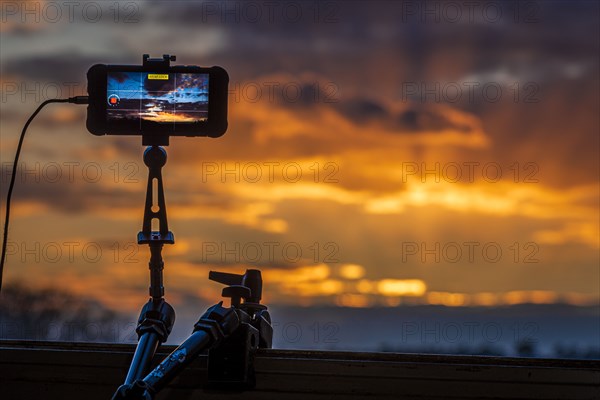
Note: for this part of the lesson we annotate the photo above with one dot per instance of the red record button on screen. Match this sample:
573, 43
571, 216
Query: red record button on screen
113, 100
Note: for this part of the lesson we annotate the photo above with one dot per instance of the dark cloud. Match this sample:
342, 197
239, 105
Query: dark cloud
159, 86
411, 120
66, 66
68, 197
119, 76
426, 120
362, 110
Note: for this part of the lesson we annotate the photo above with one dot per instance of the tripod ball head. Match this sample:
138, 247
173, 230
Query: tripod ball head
155, 157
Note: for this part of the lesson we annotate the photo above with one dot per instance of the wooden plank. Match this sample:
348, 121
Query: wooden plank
56, 370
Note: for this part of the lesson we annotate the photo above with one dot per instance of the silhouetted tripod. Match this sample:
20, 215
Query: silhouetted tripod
231, 334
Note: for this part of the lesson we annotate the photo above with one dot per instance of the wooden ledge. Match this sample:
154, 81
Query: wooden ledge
59, 370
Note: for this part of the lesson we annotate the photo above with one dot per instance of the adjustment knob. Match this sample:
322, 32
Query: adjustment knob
236, 292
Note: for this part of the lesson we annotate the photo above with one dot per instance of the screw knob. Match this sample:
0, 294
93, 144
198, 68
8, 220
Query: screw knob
236, 293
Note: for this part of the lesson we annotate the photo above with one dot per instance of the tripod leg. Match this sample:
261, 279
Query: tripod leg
154, 325
177, 360
144, 352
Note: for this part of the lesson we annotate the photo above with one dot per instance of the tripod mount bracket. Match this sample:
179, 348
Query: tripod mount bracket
155, 157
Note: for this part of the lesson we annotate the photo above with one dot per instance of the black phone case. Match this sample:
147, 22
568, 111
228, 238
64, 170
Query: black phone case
214, 126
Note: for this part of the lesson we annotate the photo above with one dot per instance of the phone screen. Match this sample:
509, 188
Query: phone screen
135, 97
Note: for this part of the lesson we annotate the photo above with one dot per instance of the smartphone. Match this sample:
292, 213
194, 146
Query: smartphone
155, 101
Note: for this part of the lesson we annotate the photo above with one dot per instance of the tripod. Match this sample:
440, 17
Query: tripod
231, 334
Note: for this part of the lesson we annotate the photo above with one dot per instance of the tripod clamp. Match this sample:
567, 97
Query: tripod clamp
163, 62
231, 362
231, 334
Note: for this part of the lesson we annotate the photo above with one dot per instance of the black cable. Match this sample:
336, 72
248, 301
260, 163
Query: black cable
75, 100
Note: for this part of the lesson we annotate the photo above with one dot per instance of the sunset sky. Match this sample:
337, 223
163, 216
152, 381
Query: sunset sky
377, 153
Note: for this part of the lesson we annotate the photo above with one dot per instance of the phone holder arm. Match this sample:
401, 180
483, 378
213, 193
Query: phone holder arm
155, 158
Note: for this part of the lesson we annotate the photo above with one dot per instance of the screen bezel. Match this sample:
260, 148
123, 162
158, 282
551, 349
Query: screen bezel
214, 126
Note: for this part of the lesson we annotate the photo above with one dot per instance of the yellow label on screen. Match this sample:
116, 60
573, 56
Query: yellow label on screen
163, 77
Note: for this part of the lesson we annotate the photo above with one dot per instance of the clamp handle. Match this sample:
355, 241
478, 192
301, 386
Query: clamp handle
252, 280
226, 278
